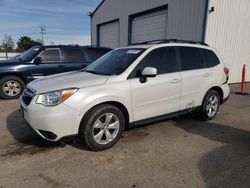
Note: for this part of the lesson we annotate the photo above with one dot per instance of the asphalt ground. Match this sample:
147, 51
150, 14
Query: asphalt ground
180, 152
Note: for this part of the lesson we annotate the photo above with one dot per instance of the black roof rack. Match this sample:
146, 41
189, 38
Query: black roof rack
172, 41
183, 41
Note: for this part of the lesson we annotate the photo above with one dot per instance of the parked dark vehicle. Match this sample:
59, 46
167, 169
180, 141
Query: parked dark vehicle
41, 61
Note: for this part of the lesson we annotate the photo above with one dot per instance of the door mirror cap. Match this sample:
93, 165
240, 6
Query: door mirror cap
149, 72
37, 60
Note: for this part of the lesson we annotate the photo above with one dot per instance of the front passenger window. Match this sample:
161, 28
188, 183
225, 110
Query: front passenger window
50, 55
163, 59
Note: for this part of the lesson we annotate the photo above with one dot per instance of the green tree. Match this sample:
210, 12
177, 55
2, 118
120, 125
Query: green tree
7, 44
24, 43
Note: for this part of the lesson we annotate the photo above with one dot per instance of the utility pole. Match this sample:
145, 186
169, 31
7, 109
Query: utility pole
42, 32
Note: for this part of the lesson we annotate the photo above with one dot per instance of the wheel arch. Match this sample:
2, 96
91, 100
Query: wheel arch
220, 91
117, 104
20, 76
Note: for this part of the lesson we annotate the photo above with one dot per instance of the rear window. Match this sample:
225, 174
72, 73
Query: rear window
210, 58
191, 58
73, 55
93, 54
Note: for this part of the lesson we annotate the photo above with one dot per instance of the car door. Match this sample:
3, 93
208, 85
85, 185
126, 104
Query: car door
195, 77
160, 95
73, 58
50, 63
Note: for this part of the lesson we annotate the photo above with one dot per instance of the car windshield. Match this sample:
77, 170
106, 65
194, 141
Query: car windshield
115, 62
29, 54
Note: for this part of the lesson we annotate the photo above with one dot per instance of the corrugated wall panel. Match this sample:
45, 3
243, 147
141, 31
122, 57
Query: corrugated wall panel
228, 30
185, 17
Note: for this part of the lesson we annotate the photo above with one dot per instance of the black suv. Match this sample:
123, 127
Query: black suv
41, 61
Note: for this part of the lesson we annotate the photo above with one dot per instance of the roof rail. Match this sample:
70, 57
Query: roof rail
149, 42
183, 41
162, 41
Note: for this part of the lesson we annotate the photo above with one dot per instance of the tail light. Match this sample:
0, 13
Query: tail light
226, 71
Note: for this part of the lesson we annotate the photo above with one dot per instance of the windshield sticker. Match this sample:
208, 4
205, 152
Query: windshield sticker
133, 51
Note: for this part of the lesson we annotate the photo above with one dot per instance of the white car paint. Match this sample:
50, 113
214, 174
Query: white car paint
166, 93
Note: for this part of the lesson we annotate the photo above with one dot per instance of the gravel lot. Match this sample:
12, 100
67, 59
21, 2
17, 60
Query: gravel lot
181, 152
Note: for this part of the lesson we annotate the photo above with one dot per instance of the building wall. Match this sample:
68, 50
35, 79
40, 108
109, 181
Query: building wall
228, 30
185, 17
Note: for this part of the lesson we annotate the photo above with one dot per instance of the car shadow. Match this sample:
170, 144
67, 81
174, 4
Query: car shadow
22, 133
227, 165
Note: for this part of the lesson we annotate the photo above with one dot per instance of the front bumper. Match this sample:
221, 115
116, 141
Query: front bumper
52, 123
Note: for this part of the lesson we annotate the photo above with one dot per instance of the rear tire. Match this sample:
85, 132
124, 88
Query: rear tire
102, 127
210, 106
11, 87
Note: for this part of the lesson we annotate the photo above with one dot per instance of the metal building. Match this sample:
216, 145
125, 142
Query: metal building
223, 24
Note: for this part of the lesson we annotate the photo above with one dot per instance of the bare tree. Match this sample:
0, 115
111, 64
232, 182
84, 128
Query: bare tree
7, 44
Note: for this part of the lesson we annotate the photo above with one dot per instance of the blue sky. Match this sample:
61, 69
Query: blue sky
66, 21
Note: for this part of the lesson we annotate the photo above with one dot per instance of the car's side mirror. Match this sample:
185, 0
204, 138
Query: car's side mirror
37, 60
148, 72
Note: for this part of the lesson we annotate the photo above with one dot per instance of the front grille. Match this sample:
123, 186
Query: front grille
28, 96
27, 100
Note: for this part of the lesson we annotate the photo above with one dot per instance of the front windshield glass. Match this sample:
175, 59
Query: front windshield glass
29, 54
115, 62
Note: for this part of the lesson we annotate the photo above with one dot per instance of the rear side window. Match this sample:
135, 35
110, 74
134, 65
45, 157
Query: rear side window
93, 54
73, 55
210, 58
50, 55
163, 59
191, 58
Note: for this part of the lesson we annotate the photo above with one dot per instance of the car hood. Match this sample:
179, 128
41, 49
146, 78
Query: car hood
9, 62
76, 79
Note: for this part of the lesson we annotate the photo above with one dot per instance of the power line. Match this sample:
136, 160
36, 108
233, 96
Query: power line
42, 32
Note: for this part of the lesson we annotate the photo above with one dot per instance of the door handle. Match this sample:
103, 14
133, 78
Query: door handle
206, 74
174, 81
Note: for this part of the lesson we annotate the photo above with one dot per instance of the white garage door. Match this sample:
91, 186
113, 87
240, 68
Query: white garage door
152, 26
109, 34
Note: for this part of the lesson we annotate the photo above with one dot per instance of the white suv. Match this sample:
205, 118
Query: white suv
128, 86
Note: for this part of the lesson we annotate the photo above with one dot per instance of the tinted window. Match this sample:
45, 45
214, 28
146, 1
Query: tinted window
191, 58
164, 59
50, 55
210, 58
93, 54
114, 62
29, 54
73, 55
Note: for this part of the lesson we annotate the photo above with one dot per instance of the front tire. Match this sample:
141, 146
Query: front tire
210, 105
11, 87
102, 127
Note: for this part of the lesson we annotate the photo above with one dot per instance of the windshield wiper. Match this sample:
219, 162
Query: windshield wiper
89, 71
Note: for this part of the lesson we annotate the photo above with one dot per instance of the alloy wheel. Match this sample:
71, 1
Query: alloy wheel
11, 88
212, 106
106, 128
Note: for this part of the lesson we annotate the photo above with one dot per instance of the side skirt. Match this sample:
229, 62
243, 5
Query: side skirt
164, 117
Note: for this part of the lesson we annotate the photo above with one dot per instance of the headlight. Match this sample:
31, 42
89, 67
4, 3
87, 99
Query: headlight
56, 97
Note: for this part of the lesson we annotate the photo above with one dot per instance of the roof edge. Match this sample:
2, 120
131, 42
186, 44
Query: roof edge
97, 8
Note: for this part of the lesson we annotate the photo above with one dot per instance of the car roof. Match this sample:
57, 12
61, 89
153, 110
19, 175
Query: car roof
85, 46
